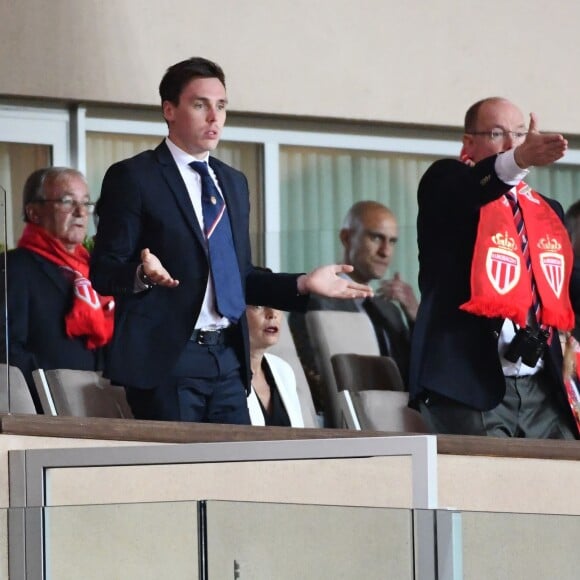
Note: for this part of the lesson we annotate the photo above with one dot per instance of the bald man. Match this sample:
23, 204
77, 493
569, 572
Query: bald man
484, 359
368, 235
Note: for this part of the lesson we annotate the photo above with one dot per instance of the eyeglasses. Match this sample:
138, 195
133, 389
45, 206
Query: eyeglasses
500, 134
68, 205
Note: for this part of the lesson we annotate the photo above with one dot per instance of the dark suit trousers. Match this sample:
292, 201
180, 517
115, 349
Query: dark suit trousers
530, 408
205, 387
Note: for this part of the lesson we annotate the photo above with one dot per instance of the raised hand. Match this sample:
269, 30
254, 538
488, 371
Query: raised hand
154, 270
325, 280
399, 290
539, 148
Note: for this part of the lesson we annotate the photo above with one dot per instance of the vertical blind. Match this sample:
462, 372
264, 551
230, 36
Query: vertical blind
104, 149
317, 188
17, 162
319, 185
559, 181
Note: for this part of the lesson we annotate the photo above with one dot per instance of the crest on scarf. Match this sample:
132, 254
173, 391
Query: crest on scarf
503, 265
552, 263
85, 292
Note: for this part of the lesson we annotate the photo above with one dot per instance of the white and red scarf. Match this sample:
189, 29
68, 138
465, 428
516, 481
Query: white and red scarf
500, 282
501, 285
91, 315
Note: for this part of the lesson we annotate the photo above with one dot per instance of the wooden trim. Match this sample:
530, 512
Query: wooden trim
172, 432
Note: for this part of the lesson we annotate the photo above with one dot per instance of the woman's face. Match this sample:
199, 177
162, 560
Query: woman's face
264, 326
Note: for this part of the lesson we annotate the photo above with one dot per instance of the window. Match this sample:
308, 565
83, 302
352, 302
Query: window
303, 177
317, 188
104, 149
31, 139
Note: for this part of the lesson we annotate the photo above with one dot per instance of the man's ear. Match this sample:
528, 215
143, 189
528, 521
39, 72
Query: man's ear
344, 236
31, 212
168, 109
468, 141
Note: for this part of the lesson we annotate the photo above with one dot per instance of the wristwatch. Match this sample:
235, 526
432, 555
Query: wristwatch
143, 278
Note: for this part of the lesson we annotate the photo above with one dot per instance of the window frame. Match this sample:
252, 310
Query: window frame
65, 131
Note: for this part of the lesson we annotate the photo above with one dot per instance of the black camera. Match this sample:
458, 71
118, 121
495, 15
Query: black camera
527, 344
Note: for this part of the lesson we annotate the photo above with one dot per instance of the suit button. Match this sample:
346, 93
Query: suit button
496, 334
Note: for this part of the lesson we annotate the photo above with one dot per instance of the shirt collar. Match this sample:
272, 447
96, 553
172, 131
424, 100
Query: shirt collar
182, 157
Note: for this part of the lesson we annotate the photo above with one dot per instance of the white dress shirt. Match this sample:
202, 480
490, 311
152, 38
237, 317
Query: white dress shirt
208, 316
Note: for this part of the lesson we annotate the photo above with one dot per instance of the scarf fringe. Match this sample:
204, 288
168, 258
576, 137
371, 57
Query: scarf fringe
560, 320
491, 309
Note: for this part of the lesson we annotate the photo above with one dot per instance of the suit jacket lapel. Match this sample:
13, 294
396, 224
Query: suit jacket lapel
52, 271
175, 182
393, 317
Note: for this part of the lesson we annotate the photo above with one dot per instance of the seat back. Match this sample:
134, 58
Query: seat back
376, 410
286, 350
44, 393
359, 372
332, 332
80, 394
387, 411
20, 400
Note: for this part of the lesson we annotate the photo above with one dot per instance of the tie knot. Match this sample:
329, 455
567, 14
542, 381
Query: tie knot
200, 167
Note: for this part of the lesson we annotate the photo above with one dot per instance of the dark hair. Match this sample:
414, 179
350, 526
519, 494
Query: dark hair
178, 75
470, 123
35, 186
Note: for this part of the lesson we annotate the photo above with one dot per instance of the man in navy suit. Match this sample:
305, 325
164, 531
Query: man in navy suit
177, 355
475, 369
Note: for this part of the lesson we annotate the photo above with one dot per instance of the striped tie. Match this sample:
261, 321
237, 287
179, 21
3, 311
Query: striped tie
522, 233
223, 262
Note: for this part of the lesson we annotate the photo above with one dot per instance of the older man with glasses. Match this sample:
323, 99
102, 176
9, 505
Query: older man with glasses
55, 318
497, 282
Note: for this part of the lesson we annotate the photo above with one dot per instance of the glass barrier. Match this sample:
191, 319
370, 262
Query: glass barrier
214, 539
4, 556
288, 541
245, 540
518, 546
129, 541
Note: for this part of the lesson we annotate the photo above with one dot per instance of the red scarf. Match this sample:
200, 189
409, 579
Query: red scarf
500, 282
570, 375
91, 315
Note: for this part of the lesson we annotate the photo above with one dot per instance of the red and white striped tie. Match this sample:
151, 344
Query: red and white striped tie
522, 233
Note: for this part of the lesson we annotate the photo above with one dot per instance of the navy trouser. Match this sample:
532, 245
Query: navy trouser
205, 387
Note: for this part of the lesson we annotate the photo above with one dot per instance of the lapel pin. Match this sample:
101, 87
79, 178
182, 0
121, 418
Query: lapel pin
213, 199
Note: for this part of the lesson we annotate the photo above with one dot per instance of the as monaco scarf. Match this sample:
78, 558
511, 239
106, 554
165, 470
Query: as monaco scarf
91, 315
500, 282
571, 377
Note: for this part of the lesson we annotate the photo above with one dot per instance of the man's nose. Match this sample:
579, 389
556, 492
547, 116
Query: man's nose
509, 140
211, 113
80, 208
385, 249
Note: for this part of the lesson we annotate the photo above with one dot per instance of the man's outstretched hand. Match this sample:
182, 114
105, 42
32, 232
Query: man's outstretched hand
326, 281
154, 270
539, 148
